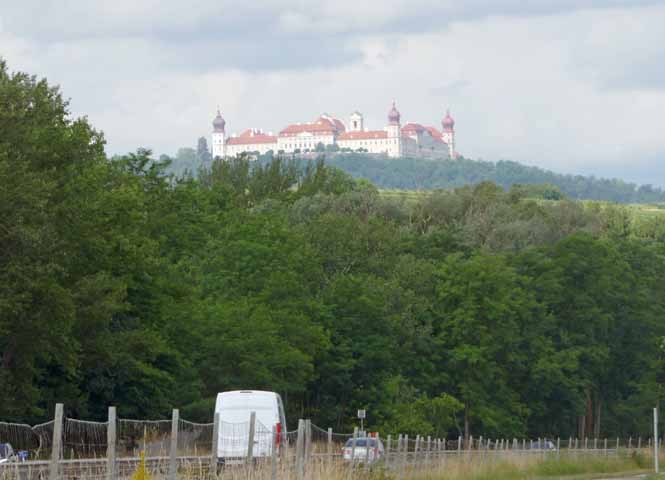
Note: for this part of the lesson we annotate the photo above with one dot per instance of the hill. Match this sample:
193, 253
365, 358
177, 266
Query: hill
419, 174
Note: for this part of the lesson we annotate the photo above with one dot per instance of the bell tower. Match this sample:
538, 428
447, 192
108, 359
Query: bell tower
356, 122
218, 136
448, 124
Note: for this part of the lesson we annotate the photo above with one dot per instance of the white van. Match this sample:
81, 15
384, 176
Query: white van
234, 410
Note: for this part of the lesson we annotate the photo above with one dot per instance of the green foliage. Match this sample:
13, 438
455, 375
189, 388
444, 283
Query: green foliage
418, 174
473, 310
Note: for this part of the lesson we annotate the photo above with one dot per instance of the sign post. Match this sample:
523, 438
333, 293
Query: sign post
361, 415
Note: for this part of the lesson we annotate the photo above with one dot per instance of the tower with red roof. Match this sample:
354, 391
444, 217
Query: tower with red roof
448, 124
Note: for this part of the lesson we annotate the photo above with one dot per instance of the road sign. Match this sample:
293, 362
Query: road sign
362, 414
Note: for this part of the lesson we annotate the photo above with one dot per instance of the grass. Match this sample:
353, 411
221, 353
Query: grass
532, 468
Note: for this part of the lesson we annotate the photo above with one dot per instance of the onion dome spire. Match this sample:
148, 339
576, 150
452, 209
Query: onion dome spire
218, 123
448, 122
393, 115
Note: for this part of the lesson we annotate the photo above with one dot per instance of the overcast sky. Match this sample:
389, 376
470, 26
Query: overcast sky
576, 86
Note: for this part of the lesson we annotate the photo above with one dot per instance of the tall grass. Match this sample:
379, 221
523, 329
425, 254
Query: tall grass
525, 467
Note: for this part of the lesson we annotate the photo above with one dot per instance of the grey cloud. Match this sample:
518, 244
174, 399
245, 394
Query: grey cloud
253, 35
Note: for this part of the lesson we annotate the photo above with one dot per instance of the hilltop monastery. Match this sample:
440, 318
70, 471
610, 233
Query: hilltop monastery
394, 140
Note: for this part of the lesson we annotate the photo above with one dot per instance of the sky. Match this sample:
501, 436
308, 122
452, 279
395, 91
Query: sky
574, 86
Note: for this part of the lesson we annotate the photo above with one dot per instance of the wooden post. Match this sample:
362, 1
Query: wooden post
459, 445
595, 444
639, 443
616, 450
400, 450
250, 438
173, 454
273, 454
56, 452
605, 446
378, 442
630, 443
215, 446
387, 461
429, 446
405, 449
110, 444
330, 444
308, 441
300, 447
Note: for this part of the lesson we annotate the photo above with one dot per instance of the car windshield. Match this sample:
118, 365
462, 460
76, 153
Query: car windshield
361, 442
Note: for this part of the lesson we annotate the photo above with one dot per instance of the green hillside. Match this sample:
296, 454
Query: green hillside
419, 174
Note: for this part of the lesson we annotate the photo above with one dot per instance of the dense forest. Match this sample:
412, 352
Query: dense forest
419, 174
477, 309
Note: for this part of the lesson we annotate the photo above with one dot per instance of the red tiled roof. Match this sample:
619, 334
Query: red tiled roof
251, 136
435, 133
322, 126
413, 127
373, 134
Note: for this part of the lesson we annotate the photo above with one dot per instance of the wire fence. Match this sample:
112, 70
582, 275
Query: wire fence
73, 448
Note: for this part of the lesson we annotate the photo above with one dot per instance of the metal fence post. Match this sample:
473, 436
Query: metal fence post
56, 453
173, 455
110, 444
250, 438
215, 446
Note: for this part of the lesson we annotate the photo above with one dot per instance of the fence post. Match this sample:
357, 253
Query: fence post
215, 446
639, 443
605, 446
173, 456
400, 456
300, 447
429, 445
405, 449
459, 445
110, 444
57, 441
388, 441
330, 447
378, 441
617, 447
273, 455
250, 438
308, 440
367, 448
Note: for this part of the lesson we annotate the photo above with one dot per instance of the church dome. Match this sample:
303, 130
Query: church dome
218, 123
448, 122
393, 115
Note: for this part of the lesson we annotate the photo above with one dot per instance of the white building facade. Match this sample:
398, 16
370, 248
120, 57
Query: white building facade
394, 140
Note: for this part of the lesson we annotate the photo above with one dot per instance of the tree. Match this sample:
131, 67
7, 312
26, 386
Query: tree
203, 152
